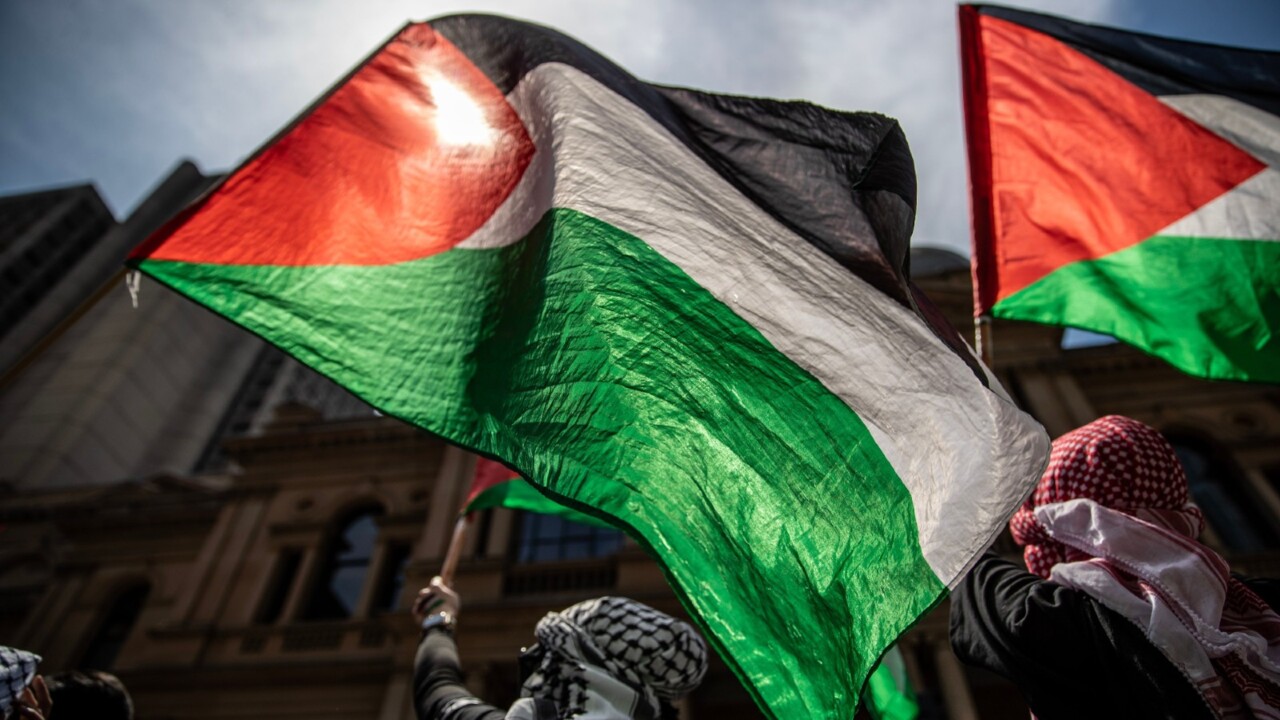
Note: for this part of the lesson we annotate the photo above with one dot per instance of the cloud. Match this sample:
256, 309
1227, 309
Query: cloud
118, 92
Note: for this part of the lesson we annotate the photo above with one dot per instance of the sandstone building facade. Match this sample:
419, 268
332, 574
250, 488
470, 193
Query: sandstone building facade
269, 576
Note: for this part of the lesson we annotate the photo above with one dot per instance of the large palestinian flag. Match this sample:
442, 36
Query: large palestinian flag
1126, 184
685, 314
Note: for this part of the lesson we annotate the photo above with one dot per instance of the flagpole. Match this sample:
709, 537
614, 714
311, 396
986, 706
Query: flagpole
454, 552
982, 339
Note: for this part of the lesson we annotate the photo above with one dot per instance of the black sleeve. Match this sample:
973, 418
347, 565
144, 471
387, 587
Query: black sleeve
438, 692
1070, 656
1003, 617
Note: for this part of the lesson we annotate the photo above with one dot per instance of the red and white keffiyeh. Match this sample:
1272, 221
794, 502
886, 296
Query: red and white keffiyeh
1112, 518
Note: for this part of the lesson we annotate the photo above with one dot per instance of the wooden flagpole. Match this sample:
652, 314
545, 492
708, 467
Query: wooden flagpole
454, 553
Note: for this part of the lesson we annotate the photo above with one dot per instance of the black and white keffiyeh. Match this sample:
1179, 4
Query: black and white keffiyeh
612, 657
17, 670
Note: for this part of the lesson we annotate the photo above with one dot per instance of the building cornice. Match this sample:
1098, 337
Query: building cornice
312, 435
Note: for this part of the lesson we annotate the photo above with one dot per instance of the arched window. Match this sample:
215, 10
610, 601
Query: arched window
1228, 503
115, 628
344, 567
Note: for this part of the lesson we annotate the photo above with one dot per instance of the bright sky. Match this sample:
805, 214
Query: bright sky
117, 91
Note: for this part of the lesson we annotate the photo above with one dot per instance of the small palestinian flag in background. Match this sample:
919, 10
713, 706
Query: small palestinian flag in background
1128, 185
686, 314
495, 485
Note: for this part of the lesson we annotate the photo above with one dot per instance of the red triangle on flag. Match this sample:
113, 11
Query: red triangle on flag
488, 474
407, 158
1070, 161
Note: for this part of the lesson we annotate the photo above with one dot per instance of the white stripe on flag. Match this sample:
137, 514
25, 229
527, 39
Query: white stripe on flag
1250, 210
966, 454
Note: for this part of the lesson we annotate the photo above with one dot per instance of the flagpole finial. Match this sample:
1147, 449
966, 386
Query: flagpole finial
133, 281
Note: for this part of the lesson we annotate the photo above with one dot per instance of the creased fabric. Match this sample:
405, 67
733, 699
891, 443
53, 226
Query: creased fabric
686, 315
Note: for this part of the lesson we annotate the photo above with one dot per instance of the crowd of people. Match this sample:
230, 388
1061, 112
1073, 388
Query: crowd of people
1119, 612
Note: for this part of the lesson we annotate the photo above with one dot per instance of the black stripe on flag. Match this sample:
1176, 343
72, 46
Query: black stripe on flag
815, 170
843, 181
1164, 66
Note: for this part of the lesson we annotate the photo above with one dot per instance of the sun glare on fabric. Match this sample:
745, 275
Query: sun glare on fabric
460, 120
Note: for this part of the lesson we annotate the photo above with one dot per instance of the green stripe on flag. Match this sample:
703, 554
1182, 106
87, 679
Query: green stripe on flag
517, 494
597, 368
1210, 307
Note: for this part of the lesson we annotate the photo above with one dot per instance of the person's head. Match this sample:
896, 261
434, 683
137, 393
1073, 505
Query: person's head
1119, 463
89, 694
602, 654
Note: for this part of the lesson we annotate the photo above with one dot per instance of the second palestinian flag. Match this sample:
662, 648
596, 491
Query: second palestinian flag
1127, 184
495, 485
685, 314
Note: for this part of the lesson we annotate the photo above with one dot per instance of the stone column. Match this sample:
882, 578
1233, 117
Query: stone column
955, 686
302, 582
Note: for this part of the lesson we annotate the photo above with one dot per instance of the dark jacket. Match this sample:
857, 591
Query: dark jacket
1070, 656
438, 692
